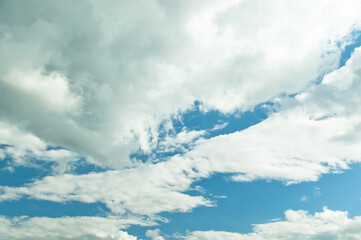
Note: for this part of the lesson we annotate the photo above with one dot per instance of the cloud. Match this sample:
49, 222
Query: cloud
24, 149
261, 152
146, 190
304, 199
72, 228
179, 141
154, 234
102, 86
48, 93
314, 133
327, 224
306, 138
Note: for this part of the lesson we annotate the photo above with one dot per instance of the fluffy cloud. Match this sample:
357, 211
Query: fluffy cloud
100, 84
82, 228
146, 190
300, 224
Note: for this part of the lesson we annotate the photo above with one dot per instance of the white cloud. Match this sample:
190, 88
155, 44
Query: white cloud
154, 234
219, 126
146, 190
308, 137
48, 93
72, 228
23, 148
171, 143
299, 224
287, 146
101, 86
314, 133
298, 143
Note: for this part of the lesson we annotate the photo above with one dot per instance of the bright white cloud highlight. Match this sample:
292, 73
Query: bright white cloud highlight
301, 225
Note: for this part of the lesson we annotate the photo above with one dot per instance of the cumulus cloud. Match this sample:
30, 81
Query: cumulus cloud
72, 228
299, 224
100, 84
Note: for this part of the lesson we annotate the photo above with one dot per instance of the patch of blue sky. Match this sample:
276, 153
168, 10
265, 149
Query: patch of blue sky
41, 208
347, 52
51, 147
22, 175
15, 176
196, 120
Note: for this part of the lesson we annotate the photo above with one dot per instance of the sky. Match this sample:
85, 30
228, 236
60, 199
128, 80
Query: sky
196, 120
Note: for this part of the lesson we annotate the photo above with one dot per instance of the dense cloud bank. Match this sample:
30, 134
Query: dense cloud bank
98, 78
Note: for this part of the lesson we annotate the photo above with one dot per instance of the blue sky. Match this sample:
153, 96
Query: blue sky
180, 120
